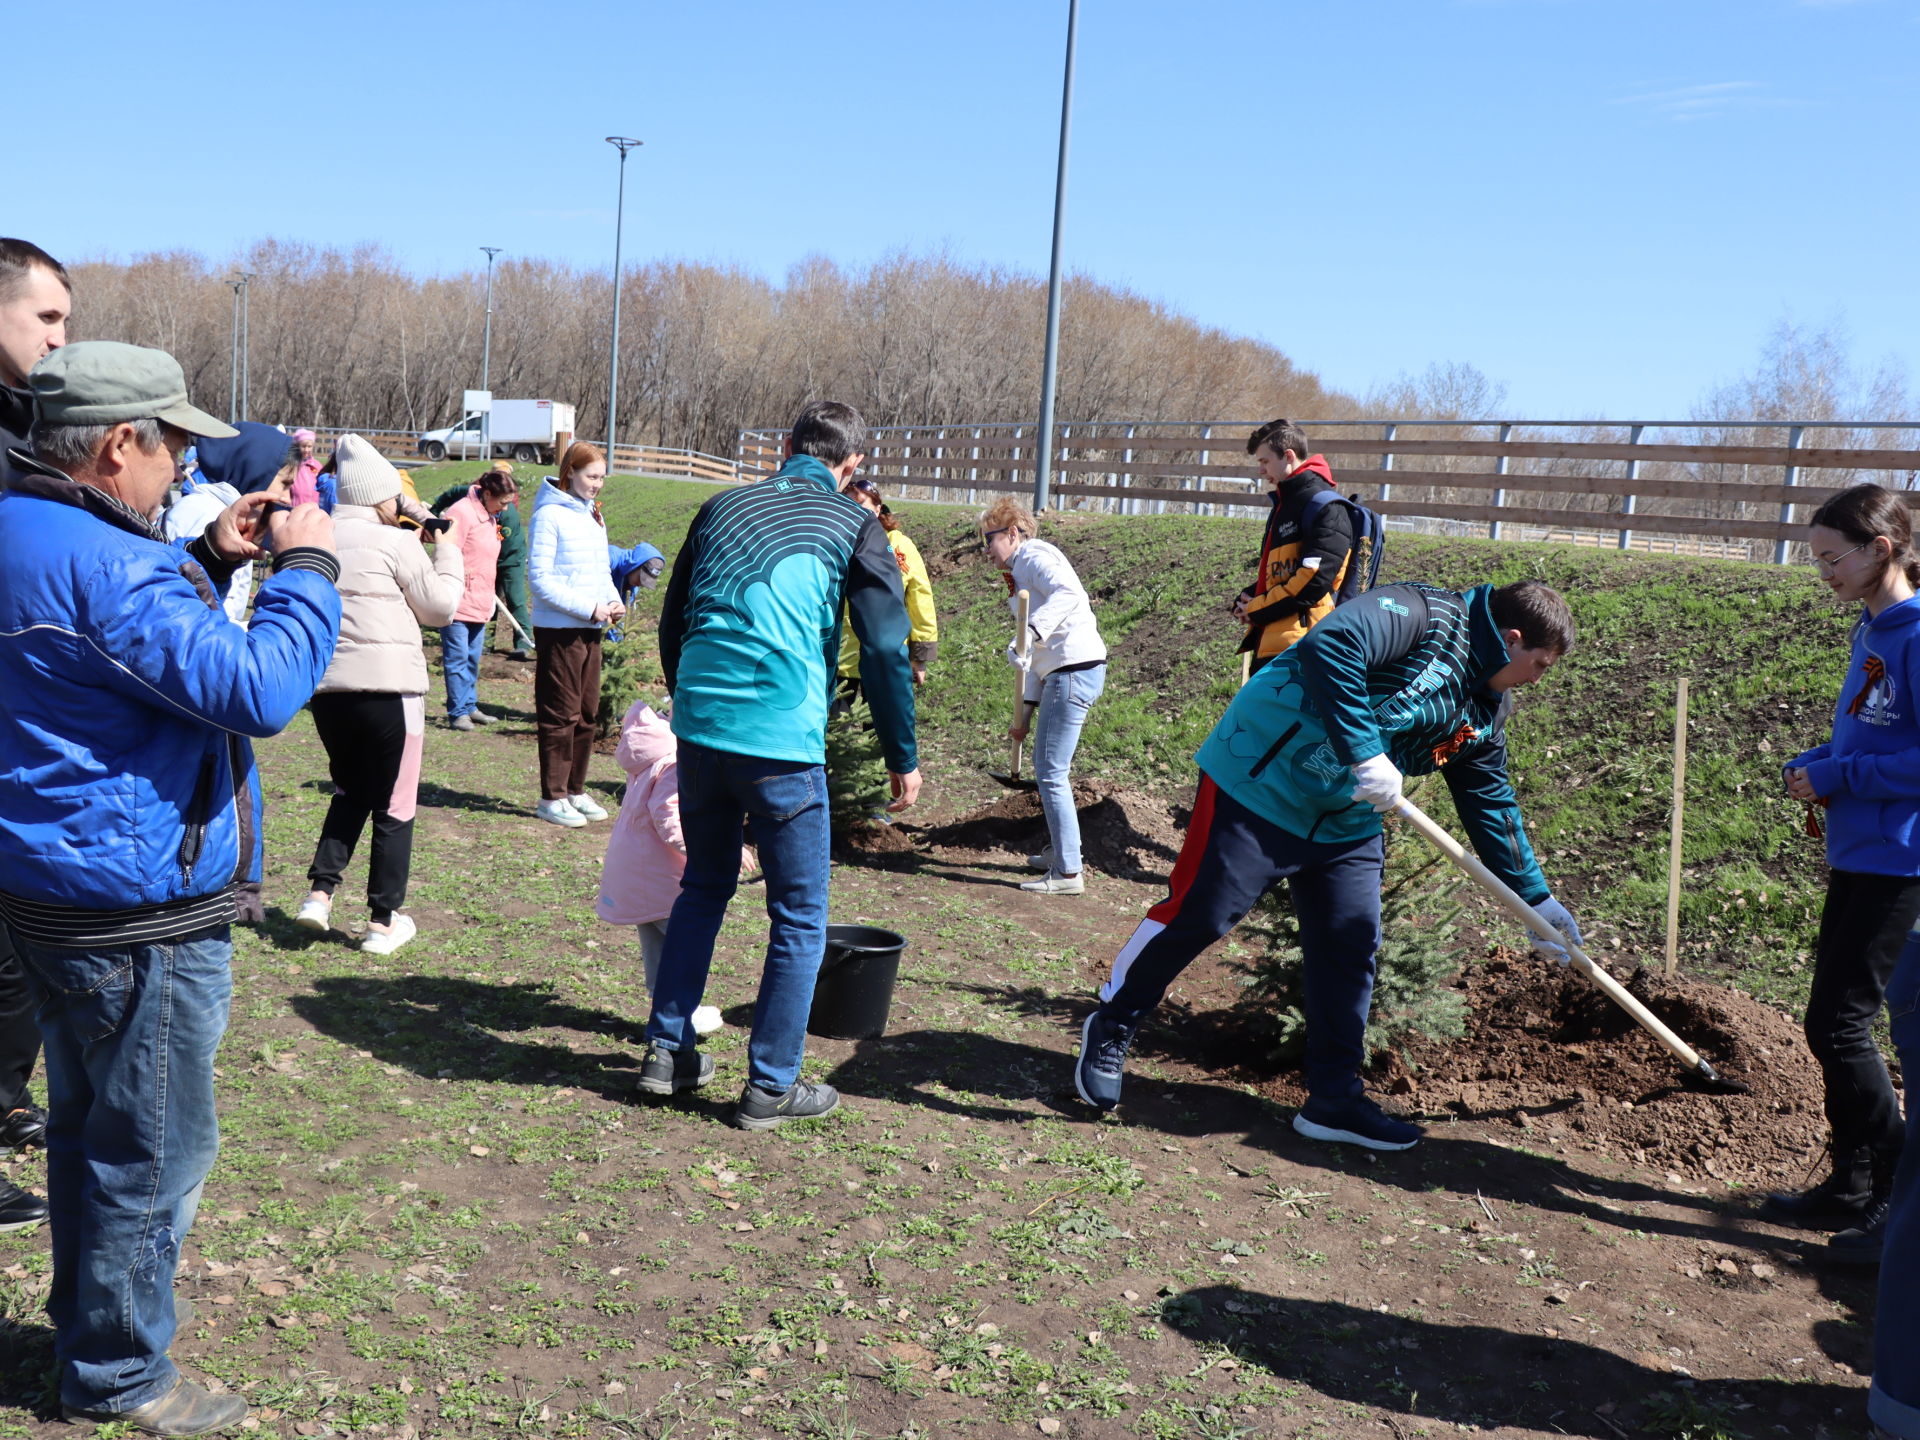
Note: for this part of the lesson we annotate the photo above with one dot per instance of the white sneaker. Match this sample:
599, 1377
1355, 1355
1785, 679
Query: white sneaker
315, 914
1042, 861
559, 812
384, 942
706, 1019
1054, 883
586, 805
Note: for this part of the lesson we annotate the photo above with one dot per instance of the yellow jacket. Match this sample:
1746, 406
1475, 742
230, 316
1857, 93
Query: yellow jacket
922, 628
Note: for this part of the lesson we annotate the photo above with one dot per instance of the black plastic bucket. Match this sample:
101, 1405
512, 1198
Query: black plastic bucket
854, 994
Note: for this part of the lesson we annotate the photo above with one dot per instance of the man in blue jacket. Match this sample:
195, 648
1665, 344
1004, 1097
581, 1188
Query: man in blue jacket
749, 641
1293, 781
130, 835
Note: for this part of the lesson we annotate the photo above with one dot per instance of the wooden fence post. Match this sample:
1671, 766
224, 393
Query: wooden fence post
1679, 804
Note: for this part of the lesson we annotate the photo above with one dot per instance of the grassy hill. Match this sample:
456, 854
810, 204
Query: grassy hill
1763, 647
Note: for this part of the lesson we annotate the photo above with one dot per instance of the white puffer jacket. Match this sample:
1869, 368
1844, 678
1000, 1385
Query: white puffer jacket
567, 566
389, 588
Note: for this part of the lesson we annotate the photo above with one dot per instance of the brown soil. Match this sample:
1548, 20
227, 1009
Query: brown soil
1122, 833
1546, 1051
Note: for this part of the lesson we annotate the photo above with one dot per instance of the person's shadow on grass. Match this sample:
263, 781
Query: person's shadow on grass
1481, 1375
443, 1028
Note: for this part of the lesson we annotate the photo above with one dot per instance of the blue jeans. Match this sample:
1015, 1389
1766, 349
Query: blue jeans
781, 805
1895, 1399
1231, 857
460, 647
1062, 715
131, 1133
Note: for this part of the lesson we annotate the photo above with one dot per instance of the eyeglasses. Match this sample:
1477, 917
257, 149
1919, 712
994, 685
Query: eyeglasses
1827, 567
989, 534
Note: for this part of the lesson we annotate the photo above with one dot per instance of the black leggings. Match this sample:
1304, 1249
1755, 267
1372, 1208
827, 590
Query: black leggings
365, 734
1863, 927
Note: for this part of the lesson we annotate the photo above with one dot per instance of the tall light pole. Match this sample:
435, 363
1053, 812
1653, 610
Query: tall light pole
623, 145
486, 360
233, 363
246, 337
1043, 458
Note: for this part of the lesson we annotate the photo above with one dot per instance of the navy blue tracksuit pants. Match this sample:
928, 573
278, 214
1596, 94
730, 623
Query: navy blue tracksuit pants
1230, 858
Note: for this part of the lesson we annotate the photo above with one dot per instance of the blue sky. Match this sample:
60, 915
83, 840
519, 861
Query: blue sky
1606, 206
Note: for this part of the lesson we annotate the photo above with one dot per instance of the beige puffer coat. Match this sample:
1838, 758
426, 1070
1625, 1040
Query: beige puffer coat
389, 588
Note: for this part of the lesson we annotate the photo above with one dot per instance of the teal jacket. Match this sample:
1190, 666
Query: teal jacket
750, 625
1400, 671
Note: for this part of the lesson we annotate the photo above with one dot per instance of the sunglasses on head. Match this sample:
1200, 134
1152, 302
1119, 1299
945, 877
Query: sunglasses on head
865, 487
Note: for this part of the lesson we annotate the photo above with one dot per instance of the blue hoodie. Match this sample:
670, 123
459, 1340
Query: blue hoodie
1869, 773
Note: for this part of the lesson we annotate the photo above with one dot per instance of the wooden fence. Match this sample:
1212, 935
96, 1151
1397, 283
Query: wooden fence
1729, 488
627, 459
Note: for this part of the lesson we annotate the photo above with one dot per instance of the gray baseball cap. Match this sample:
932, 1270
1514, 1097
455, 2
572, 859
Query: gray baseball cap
103, 382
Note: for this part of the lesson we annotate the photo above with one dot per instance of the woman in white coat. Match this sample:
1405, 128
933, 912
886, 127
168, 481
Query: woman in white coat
371, 705
573, 602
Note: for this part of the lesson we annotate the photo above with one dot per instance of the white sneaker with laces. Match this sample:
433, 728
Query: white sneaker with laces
314, 914
1054, 883
1042, 861
384, 942
586, 805
559, 812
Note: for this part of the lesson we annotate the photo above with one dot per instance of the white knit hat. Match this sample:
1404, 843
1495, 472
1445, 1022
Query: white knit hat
366, 476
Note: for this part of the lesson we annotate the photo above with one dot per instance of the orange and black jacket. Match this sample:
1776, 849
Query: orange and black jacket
1289, 597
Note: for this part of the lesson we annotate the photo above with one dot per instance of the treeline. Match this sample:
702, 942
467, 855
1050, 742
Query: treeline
351, 338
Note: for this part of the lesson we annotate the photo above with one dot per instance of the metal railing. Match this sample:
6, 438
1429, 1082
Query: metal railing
1672, 479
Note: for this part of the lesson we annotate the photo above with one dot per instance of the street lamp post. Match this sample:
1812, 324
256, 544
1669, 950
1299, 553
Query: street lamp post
1043, 456
233, 361
623, 145
486, 360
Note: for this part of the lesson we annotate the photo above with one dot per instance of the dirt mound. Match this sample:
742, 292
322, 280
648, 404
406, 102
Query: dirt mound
1549, 1053
1122, 832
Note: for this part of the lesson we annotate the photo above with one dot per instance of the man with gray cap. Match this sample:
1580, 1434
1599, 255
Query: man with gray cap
130, 835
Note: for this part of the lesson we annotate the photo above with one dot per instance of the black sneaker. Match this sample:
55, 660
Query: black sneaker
1098, 1074
1837, 1202
1355, 1122
20, 1209
23, 1128
665, 1072
805, 1101
1861, 1245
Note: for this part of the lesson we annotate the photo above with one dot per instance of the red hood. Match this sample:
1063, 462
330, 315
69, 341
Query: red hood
1315, 465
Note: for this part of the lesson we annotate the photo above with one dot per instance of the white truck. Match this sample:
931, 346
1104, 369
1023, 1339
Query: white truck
514, 430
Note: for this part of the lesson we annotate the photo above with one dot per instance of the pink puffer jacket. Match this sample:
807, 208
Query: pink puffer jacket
646, 852
479, 537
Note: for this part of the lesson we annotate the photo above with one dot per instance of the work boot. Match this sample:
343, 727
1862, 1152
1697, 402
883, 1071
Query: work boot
187, 1409
1861, 1244
1835, 1203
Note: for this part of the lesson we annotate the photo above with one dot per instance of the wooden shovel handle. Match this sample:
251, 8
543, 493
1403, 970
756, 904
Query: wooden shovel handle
1537, 923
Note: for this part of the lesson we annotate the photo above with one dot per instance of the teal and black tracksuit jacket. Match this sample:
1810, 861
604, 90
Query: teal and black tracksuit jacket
750, 626
1400, 671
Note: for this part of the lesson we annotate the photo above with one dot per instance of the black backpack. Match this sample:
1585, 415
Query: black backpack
1369, 540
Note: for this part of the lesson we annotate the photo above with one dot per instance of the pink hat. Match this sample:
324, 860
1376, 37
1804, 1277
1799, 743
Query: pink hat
304, 435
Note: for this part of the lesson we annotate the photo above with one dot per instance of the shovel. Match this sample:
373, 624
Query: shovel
1012, 779
1698, 1071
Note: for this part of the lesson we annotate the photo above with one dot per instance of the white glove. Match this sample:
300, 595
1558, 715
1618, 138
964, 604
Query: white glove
1020, 661
1561, 918
1377, 783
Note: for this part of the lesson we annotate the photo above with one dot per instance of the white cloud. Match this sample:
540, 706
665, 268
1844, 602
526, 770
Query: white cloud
1703, 102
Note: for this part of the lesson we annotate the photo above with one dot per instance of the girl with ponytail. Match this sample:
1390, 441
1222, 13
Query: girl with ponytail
1866, 783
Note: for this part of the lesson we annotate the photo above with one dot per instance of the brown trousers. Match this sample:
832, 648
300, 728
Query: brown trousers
566, 706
